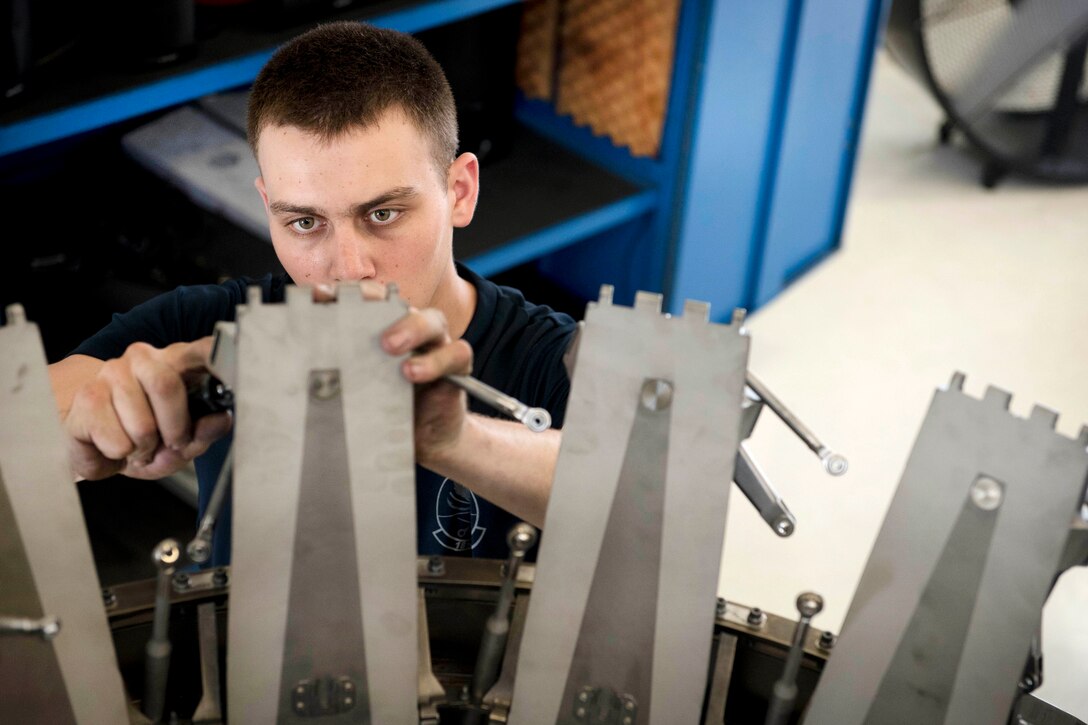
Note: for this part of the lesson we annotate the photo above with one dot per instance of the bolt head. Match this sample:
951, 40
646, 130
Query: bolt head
986, 493
656, 394
809, 604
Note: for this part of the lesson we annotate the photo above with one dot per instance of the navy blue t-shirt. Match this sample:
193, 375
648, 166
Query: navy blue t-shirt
517, 348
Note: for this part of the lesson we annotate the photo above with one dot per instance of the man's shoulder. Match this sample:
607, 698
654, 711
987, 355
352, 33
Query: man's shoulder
184, 314
500, 308
234, 290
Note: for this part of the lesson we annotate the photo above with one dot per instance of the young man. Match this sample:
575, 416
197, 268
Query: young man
355, 132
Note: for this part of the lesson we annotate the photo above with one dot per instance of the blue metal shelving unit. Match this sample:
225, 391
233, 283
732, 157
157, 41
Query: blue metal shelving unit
749, 188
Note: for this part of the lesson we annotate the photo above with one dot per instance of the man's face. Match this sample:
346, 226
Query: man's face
369, 204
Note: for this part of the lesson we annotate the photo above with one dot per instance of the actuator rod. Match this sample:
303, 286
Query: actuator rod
493, 643
834, 463
200, 548
157, 662
762, 495
535, 419
784, 693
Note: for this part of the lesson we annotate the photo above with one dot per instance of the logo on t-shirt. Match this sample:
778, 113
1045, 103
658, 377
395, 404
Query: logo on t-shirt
458, 514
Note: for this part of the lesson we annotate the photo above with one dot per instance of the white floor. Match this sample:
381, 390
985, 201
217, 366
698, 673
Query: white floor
935, 275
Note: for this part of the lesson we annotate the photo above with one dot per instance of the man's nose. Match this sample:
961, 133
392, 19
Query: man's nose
353, 260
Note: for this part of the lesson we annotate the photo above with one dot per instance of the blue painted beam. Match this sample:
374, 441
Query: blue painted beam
558, 236
720, 206
834, 56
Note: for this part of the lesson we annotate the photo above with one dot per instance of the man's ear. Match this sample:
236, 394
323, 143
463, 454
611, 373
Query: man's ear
463, 182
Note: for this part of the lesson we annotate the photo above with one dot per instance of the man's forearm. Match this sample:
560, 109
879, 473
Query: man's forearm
504, 462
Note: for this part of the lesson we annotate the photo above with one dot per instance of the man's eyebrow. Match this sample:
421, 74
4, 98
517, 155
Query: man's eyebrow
283, 207
400, 193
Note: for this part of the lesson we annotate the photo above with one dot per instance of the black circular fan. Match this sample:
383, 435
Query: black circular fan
1009, 75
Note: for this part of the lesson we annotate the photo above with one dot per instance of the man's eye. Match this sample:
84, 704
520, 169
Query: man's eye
305, 224
383, 216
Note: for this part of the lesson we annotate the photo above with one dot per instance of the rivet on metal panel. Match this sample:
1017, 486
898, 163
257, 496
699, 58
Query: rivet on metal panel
436, 565
987, 493
648, 302
997, 397
956, 383
324, 384
656, 394
696, 311
605, 295
1041, 415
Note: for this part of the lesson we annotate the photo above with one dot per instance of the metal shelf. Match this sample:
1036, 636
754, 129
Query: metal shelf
90, 96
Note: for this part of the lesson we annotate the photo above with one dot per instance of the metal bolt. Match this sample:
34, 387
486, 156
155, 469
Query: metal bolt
521, 537
220, 578
436, 566
756, 616
325, 384
300, 706
827, 640
627, 721
583, 696
347, 700
835, 464
580, 713
629, 706
783, 527
809, 604
181, 580
109, 598
656, 394
300, 690
719, 608
986, 493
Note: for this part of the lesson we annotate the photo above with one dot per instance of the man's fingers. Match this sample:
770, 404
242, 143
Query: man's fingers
88, 463
417, 329
369, 289
92, 420
372, 289
454, 358
208, 430
188, 357
134, 414
166, 394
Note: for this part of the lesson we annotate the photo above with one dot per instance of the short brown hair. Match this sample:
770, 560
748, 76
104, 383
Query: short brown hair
344, 75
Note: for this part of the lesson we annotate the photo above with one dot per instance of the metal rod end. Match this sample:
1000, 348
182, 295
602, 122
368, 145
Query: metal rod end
537, 420
834, 463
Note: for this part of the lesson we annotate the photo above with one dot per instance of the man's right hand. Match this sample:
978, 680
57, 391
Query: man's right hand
130, 415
